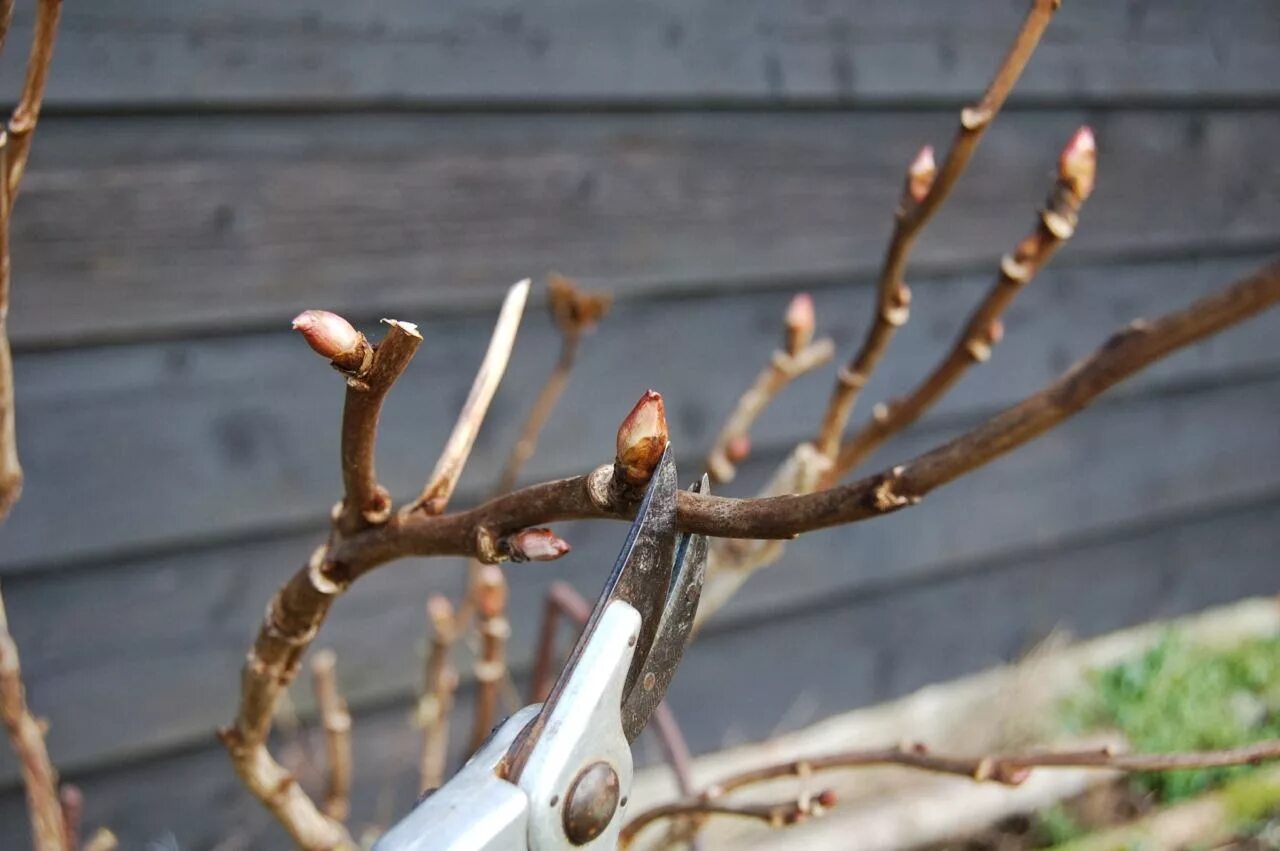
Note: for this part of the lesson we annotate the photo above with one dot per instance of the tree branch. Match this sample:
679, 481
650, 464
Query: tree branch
27, 736
1010, 770
367, 503
798, 357
490, 601
336, 721
923, 195
1054, 226
440, 682
22, 123
10, 466
435, 496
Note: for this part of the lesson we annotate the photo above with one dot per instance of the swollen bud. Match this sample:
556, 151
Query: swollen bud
642, 437
333, 337
800, 323
536, 545
737, 448
920, 174
1078, 164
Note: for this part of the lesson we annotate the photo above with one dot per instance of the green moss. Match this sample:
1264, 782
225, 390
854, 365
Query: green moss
1253, 798
1178, 696
1055, 826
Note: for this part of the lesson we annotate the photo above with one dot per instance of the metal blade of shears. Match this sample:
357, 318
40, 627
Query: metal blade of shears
641, 577
674, 630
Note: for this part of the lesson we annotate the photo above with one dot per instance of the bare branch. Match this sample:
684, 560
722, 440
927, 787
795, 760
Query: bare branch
435, 496
6, 18
575, 313
365, 502
22, 124
591, 496
1010, 770
490, 601
914, 213
336, 721
799, 356
440, 682
27, 736
10, 467
71, 800
984, 329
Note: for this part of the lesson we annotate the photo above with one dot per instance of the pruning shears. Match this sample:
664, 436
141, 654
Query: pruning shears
557, 775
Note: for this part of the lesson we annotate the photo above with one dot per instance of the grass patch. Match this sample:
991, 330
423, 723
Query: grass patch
1179, 696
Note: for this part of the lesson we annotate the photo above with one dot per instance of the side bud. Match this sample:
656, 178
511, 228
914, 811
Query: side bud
1078, 164
535, 545
920, 174
332, 337
800, 323
642, 437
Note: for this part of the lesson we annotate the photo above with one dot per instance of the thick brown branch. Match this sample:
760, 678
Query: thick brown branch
22, 124
435, 496
440, 682
1054, 225
365, 502
893, 297
27, 736
1009, 770
335, 719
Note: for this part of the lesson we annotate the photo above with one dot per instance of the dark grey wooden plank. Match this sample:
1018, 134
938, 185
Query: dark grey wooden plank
165, 225
132, 656
157, 445
849, 651
571, 51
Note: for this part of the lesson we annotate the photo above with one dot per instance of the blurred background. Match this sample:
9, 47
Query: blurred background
205, 170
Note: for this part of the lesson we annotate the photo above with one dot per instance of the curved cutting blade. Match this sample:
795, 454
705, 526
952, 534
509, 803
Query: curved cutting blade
658, 666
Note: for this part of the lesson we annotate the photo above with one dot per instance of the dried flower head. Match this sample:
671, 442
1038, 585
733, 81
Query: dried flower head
574, 311
642, 437
1078, 164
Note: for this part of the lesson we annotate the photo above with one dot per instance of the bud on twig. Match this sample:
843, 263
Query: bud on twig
1078, 164
440, 613
800, 323
920, 174
534, 545
642, 437
737, 449
333, 337
574, 311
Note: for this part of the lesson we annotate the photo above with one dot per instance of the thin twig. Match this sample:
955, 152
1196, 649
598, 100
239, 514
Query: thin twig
365, 502
1011, 770
1055, 224
490, 601
916, 209
22, 123
26, 733
71, 800
6, 19
335, 719
440, 682
800, 356
575, 313
435, 496
10, 466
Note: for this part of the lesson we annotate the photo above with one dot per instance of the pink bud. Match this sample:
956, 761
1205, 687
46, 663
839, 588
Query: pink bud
642, 437
995, 331
536, 545
333, 337
738, 448
800, 323
826, 798
920, 174
1078, 164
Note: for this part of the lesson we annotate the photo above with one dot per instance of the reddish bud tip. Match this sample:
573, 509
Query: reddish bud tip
642, 437
490, 592
331, 336
1078, 164
826, 798
800, 323
995, 331
921, 173
537, 545
737, 449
